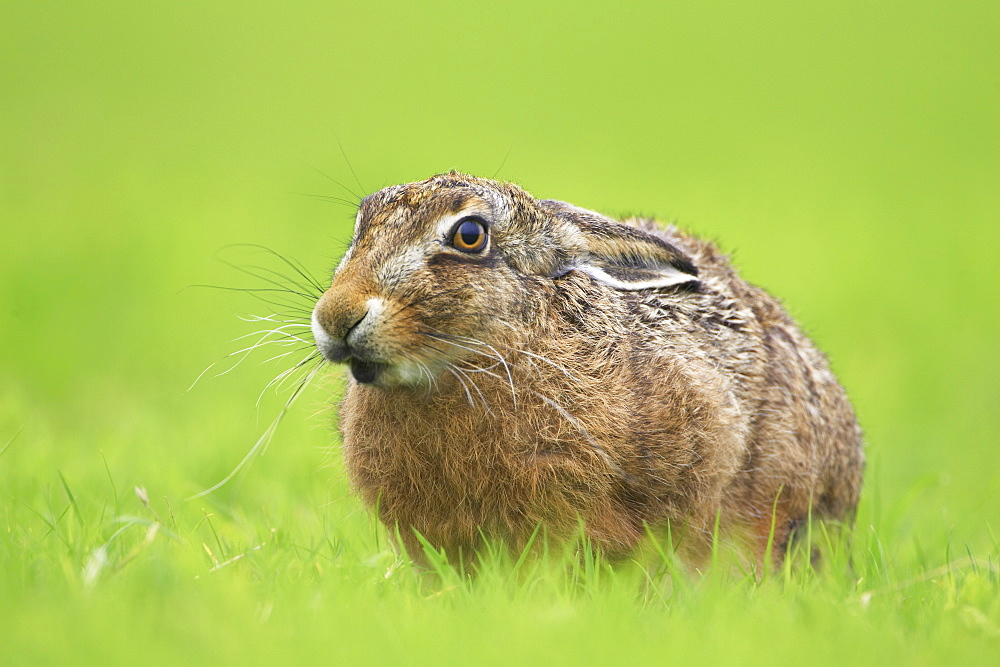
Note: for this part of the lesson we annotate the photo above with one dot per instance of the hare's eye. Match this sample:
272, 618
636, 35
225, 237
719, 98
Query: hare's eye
469, 235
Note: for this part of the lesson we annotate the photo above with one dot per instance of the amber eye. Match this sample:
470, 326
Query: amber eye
469, 235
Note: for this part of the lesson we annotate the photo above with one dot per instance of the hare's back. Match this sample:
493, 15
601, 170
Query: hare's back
805, 442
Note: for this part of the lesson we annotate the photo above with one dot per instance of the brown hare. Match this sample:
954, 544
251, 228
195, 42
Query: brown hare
519, 363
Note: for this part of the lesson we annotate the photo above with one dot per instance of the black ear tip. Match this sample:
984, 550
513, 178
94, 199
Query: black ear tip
684, 265
693, 285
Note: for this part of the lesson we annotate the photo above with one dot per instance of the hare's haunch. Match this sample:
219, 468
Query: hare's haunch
519, 362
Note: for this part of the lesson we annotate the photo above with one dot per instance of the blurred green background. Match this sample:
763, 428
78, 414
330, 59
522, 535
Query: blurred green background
847, 154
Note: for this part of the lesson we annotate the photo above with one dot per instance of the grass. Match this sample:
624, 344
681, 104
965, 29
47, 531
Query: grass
100, 571
845, 154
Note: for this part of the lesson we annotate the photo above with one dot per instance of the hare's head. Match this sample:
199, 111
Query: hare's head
449, 263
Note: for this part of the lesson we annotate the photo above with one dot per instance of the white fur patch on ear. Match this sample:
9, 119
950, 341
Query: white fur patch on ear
632, 280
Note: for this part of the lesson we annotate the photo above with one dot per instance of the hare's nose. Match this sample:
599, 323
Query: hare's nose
333, 320
342, 329
333, 349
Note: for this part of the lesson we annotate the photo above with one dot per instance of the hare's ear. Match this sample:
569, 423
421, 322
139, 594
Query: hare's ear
618, 255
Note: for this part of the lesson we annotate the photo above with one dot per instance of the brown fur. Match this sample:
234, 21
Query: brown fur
549, 396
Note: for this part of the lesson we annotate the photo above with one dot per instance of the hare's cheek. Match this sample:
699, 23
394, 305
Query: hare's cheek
370, 335
408, 374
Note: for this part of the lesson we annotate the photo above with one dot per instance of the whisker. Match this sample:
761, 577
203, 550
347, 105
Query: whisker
349, 165
330, 198
468, 395
306, 371
301, 309
293, 264
285, 354
565, 414
499, 357
559, 367
586, 434
250, 290
336, 182
284, 374
271, 318
309, 289
261, 445
474, 386
292, 293
431, 379
308, 295
280, 331
480, 369
245, 352
503, 162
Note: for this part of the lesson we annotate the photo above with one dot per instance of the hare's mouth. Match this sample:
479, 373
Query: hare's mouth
367, 372
398, 374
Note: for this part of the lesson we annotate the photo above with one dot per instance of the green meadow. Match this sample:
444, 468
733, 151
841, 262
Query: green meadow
846, 154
